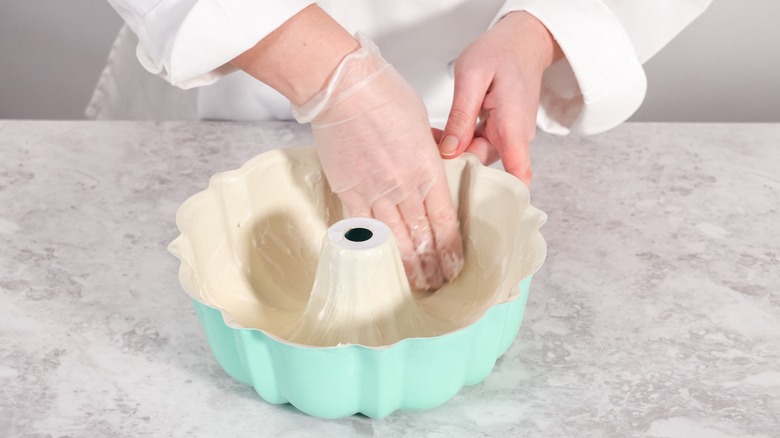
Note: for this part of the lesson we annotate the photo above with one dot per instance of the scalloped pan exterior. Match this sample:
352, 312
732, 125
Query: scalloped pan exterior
334, 382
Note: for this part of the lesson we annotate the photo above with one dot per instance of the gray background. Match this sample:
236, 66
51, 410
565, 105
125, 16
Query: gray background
725, 67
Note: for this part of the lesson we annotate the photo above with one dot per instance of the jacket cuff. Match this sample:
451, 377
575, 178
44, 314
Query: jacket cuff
206, 36
600, 83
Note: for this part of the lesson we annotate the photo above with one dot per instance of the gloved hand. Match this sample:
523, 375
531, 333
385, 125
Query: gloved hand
498, 80
373, 137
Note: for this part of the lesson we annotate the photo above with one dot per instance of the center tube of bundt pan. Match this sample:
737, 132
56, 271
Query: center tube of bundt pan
361, 294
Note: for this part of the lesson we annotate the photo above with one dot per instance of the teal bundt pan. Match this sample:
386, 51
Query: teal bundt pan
249, 247
333, 382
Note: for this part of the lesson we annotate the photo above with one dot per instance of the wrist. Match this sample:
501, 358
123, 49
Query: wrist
299, 57
348, 83
534, 33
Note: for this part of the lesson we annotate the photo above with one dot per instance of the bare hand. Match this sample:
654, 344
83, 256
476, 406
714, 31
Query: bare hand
497, 85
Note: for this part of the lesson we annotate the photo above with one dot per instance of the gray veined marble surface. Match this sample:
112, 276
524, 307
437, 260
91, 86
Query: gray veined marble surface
657, 312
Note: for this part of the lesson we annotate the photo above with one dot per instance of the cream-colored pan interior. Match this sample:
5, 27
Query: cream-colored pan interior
250, 243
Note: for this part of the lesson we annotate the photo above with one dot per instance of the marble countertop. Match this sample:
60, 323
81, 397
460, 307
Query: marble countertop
657, 312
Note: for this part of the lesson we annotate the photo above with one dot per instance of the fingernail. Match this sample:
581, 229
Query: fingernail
449, 145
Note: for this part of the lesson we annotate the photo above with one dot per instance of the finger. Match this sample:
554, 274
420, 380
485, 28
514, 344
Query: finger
480, 146
446, 229
513, 146
354, 205
470, 90
388, 213
437, 134
484, 150
412, 210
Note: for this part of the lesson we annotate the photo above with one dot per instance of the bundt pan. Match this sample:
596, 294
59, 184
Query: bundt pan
313, 309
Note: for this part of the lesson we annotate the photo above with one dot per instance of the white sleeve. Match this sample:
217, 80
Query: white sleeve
190, 42
601, 82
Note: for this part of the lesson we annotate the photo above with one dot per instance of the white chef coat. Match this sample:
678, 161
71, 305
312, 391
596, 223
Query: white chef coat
598, 85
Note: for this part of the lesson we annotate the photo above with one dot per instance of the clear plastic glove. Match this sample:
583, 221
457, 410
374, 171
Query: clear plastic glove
373, 137
497, 81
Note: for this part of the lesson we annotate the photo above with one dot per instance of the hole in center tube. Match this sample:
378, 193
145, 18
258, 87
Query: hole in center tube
358, 234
